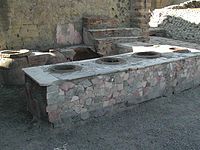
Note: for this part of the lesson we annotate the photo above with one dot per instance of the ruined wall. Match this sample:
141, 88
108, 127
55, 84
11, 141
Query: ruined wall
181, 24
40, 24
155, 4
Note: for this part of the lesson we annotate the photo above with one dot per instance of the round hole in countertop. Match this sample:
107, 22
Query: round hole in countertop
147, 54
110, 61
65, 68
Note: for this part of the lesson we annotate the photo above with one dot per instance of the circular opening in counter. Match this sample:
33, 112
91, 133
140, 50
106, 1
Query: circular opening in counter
10, 52
179, 50
14, 53
110, 61
148, 45
65, 68
147, 54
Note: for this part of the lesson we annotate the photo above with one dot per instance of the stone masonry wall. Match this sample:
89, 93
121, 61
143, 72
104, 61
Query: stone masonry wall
156, 4
40, 24
36, 99
181, 24
73, 101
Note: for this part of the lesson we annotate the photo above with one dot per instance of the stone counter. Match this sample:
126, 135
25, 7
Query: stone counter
99, 89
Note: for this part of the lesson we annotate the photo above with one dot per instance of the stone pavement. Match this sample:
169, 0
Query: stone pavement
167, 123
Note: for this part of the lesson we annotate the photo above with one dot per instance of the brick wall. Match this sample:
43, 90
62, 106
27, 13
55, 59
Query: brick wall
40, 24
140, 14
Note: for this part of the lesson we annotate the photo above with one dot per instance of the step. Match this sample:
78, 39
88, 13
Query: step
107, 46
127, 47
98, 22
114, 32
123, 39
157, 32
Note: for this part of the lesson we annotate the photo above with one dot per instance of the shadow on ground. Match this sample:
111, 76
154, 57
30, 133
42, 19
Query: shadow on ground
161, 124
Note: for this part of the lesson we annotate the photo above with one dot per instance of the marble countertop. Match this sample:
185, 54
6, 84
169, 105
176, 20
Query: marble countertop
44, 77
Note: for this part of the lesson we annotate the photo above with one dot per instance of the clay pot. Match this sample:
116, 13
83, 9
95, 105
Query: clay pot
11, 64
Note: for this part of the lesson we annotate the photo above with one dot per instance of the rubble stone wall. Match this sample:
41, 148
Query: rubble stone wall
74, 101
155, 4
181, 24
50, 23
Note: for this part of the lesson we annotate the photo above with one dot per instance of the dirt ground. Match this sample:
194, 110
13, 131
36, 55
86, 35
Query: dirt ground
166, 123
